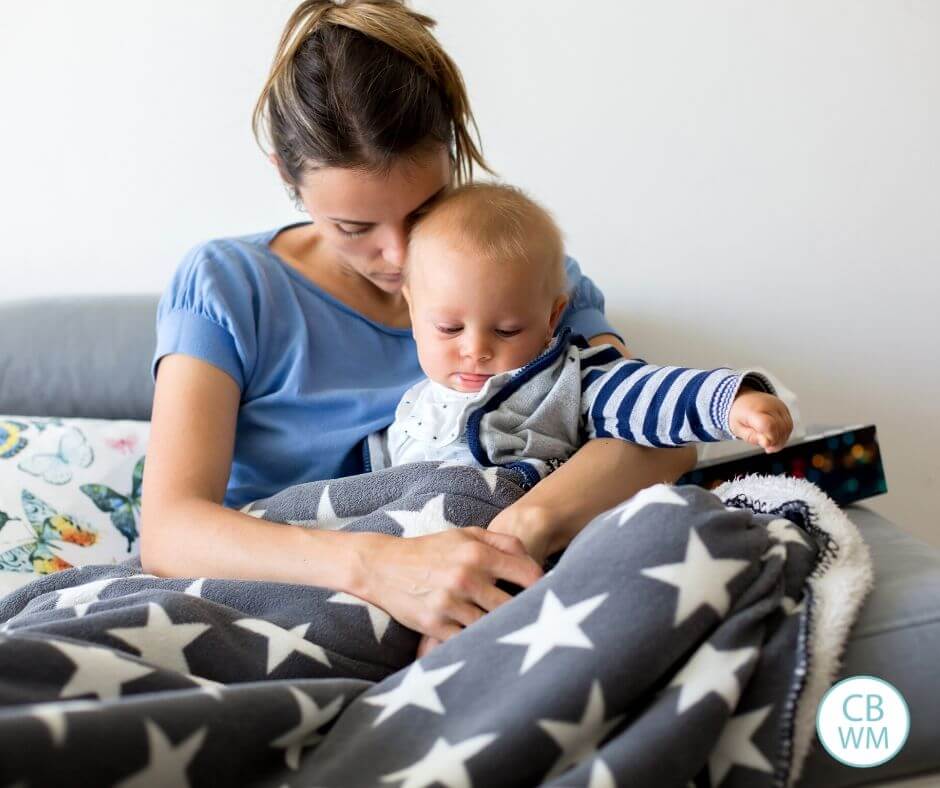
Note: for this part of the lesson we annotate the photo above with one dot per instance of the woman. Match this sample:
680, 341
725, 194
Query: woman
279, 352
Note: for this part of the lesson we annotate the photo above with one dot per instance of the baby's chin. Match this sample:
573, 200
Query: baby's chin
467, 384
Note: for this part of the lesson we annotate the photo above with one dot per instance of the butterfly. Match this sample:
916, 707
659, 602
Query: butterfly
74, 450
124, 509
124, 445
47, 529
41, 424
11, 441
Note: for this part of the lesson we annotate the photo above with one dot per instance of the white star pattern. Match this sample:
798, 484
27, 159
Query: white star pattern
701, 579
52, 715
556, 626
429, 520
578, 740
283, 642
160, 641
777, 550
98, 671
601, 776
195, 588
211, 688
304, 734
326, 518
417, 688
444, 764
167, 764
784, 531
489, 475
658, 493
735, 748
83, 596
711, 670
377, 617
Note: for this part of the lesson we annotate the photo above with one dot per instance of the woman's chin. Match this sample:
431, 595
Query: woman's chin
386, 283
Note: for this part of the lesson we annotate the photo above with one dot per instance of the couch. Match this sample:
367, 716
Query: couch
89, 357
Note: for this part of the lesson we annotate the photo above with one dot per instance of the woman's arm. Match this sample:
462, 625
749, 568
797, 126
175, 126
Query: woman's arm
435, 584
185, 530
550, 515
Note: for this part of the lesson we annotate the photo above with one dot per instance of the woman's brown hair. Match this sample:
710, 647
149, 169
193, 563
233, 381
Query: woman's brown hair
360, 83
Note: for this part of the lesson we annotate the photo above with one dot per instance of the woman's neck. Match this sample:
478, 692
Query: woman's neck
303, 249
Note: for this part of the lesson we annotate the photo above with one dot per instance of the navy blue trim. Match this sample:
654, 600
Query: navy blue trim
521, 377
366, 455
531, 477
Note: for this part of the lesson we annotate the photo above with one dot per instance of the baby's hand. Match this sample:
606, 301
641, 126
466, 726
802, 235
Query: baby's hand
761, 419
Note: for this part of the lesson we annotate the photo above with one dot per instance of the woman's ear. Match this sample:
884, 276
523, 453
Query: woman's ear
279, 165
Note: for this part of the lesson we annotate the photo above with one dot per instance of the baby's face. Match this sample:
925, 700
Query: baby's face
473, 318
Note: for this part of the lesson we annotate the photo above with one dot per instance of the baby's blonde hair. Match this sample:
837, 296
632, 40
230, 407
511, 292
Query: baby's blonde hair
500, 223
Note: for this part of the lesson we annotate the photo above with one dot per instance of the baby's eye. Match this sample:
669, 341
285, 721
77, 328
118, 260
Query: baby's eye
510, 333
448, 329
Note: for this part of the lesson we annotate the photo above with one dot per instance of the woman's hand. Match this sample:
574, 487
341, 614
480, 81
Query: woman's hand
529, 524
440, 583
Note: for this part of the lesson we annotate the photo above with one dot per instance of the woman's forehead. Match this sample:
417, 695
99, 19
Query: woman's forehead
371, 197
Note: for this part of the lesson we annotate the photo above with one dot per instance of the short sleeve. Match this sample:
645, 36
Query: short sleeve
584, 314
206, 311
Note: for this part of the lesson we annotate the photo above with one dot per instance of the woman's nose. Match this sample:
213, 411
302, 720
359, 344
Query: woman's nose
394, 247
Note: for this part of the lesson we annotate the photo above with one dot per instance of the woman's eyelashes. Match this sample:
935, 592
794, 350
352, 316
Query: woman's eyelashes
352, 232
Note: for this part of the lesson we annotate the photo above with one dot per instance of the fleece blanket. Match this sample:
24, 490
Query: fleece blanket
682, 638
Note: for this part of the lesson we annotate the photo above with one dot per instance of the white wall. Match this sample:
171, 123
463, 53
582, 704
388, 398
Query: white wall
749, 182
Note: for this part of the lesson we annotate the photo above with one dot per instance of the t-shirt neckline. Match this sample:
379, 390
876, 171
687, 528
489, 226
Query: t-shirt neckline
316, 289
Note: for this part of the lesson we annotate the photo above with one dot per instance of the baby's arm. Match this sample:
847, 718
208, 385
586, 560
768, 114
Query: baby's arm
669, 406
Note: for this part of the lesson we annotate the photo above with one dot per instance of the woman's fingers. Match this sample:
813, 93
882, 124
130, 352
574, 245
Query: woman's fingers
506, 542
500, 565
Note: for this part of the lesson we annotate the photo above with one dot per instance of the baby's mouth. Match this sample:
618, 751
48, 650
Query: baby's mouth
472, 381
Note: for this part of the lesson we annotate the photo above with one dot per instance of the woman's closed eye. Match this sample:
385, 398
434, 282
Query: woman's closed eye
352, 231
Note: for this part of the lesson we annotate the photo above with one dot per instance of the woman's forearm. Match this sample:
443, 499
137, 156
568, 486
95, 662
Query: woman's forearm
204, 539
602, 474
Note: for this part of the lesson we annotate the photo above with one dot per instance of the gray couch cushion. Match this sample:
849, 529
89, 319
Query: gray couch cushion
896, 638
81, 357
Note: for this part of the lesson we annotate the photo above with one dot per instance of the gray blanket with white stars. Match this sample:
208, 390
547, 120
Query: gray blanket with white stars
676, 641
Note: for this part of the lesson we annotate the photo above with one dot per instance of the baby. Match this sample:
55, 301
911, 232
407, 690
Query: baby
485, 286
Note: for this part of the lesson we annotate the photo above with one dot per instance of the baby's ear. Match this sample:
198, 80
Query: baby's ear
558, 308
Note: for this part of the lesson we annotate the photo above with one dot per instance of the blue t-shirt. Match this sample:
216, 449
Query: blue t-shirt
316, 377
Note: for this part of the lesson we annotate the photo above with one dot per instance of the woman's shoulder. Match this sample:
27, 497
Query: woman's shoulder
241, 255
240, 266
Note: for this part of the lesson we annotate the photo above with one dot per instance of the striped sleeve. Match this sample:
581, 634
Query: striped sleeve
658, 406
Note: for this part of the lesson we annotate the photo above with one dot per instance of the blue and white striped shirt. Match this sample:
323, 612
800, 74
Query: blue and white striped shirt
534, 418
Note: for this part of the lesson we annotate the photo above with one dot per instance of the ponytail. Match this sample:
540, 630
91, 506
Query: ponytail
360, 83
